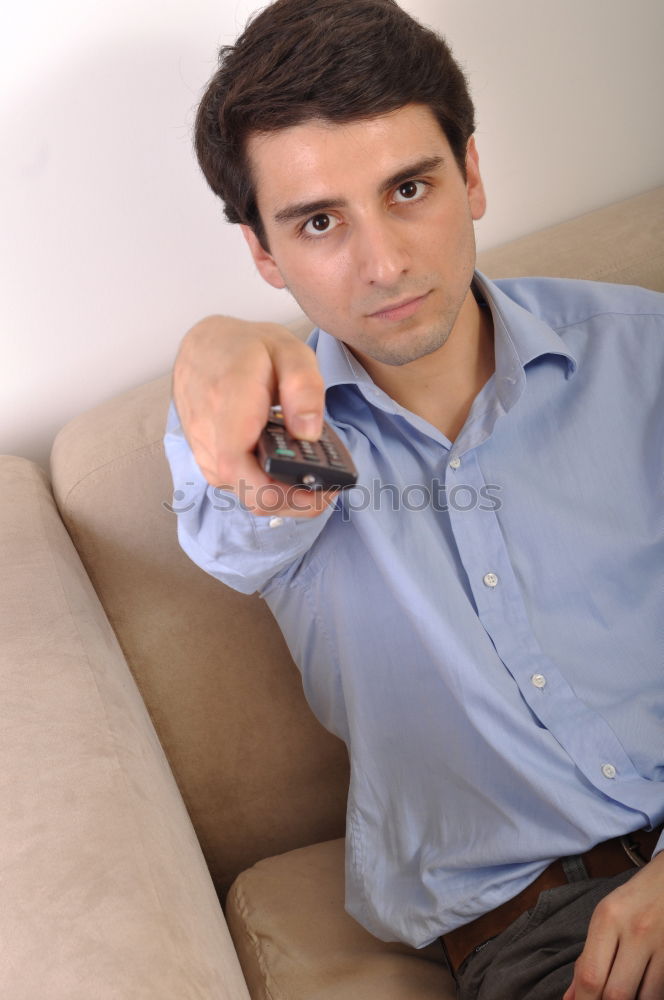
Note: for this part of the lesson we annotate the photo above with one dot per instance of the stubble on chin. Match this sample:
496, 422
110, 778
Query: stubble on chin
407, 347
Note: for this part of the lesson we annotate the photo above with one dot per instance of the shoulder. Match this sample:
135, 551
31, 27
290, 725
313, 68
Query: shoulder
567, 302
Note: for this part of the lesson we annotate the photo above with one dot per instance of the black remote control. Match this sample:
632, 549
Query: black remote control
316, 465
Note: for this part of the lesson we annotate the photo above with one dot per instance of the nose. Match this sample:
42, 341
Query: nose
381, 255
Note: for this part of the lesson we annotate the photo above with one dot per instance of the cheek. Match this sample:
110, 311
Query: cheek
453, 242
321, 281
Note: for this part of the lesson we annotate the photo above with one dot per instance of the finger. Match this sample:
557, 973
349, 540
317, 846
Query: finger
627, 971
593, 966
223, 439
652, 987
223, 442
224, 464
300, 387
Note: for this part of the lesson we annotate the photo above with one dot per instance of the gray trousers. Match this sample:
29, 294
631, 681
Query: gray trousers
534, 958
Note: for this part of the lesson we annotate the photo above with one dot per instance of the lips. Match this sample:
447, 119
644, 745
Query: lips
399, 310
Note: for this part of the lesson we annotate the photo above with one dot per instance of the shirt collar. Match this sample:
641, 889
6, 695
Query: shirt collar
519, 337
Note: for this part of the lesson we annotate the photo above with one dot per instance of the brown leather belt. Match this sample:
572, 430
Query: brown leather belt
609, 858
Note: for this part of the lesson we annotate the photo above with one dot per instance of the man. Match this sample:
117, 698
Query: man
492, 656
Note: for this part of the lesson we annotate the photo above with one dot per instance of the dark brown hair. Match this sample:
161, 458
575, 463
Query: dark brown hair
338, 60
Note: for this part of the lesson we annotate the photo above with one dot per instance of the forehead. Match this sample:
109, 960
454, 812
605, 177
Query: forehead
319, 159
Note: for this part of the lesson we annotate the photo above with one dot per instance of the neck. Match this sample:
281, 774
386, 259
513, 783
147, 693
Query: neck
441, 386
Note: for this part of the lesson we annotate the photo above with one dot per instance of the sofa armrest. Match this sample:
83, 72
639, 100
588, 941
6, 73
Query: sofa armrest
105, 892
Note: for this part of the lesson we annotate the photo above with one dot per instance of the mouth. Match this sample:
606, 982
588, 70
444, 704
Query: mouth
399, 310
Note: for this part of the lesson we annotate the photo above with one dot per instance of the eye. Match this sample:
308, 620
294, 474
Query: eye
319, 225
410, 191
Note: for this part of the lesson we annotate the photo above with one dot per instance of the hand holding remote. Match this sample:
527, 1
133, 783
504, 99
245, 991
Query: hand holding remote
227, 375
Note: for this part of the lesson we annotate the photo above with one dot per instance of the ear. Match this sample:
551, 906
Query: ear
266, 264
474, 185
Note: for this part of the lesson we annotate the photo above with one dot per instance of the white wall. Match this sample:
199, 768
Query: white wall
111, 244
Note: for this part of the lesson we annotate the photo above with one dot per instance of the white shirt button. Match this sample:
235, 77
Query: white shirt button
539, 680
455, 463
609, 771
276, 522
490, 579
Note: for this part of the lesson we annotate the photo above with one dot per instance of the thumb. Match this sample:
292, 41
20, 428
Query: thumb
301, 388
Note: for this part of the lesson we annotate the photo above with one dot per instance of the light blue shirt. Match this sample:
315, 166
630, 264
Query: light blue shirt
482, 621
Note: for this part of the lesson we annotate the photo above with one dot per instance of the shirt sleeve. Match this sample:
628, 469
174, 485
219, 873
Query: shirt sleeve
243, 550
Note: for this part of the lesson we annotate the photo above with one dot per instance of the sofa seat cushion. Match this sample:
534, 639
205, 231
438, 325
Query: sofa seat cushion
296, 942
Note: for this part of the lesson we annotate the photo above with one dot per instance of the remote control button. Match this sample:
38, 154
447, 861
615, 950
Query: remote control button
285, 451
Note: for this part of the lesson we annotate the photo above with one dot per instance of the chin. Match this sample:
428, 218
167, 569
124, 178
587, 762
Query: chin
408, 350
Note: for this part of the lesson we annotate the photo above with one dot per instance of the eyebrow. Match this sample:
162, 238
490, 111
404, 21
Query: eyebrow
300, 209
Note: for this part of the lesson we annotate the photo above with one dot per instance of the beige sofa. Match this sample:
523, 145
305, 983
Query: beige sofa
158, 757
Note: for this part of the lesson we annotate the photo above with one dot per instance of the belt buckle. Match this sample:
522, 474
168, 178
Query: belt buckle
632, 851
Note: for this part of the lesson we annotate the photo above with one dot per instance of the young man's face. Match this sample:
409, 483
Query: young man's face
370, 227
